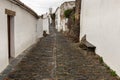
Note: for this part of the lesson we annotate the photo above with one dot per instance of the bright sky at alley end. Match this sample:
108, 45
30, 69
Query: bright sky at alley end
42, 6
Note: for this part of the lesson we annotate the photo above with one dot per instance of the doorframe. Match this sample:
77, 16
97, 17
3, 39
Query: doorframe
10, 29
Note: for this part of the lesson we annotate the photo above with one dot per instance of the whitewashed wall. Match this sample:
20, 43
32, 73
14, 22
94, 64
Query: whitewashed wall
24, 30
3, 36
57, 20
100, 21
63, 24
40, 28
46, 23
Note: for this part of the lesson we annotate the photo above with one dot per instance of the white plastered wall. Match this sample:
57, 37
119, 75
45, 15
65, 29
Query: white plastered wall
46, 23
58, 27
25, 32
100, 21
40, 28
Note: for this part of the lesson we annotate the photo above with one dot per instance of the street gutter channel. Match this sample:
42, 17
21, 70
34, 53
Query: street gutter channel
53, 72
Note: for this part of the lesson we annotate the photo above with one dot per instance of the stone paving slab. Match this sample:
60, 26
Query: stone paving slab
38, 63
73, 64
56, 58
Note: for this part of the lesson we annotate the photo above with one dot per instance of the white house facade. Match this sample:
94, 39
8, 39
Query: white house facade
100, 21
18, 30
46, 23
57, 20
40, 27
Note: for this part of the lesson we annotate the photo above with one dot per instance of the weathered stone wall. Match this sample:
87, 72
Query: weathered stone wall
71, 24
63, 7
74, 22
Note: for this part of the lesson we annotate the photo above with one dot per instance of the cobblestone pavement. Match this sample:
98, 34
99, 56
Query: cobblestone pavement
56, 58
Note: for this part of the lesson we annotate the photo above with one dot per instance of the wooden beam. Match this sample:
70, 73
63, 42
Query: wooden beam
10, 12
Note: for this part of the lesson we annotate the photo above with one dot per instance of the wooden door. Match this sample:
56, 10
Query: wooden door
9, 35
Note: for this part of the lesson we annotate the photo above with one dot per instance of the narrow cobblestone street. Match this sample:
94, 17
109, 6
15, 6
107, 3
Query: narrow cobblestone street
56, 58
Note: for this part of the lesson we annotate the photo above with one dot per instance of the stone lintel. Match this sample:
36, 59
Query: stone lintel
10, 12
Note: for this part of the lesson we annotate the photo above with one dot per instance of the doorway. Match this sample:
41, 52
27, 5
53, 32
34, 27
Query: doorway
10, 24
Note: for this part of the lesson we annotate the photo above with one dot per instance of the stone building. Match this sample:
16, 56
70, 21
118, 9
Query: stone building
63, 7
100, 21
18, 30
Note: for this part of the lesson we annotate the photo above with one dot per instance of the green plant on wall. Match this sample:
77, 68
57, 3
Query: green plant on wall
67, 13
101, 60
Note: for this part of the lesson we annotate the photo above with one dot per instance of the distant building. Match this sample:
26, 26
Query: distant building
50, 10
61, 20
63, 7
57, 19
40, 27
46, 23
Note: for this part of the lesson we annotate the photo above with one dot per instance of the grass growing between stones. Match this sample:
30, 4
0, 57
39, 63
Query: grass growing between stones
112, 72
107, 67
101, 60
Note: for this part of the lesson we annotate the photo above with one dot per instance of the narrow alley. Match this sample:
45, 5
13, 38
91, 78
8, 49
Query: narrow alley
56, 58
